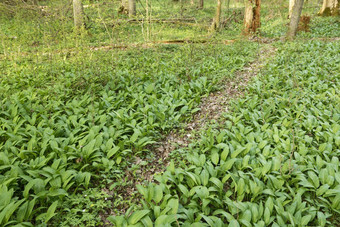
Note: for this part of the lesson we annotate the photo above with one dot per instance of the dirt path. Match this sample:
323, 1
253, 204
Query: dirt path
211, 108
216, 103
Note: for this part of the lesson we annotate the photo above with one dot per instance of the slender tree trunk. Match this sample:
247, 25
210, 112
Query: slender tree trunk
216, 22
132, 8
291, 5
252, 16
78, 14
329, 7
295, 19
248, 17
201, 4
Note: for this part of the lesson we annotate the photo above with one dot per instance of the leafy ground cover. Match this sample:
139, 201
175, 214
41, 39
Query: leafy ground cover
274, 161
75, 119
68, 124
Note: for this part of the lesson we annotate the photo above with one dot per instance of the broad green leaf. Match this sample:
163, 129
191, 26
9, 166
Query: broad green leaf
137, 216
51, 211
215, 158
158, 193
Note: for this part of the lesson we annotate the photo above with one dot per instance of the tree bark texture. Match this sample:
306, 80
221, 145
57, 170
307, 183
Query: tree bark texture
291, 5
132, 8
329, 8
295, 19
201, 4
216, 22
78, 14
252, 16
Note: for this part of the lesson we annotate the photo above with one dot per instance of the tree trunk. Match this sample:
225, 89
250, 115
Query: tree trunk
201, 4
78, 14
252, 16
329, 8
291, 5
132, 8
295, 19
216, 22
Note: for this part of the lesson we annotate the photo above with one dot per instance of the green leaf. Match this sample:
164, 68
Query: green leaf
118, 220
314, 178
173, 204
266, 215
225, 153
204, 177
112, 151
321, 219
149, 89
137, 215
234, 223
237, 152
217, 182
247, 216
165, 219
305, 220
158, 193
135, 136
215, 158
228, 164
7, 212
147, 222
184, 190
50, 212
322, 189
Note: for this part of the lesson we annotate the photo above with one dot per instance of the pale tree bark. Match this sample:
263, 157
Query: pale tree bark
124, 7
252, 16
295, 19
192, 2
216, 21
329, 7
78, 14
132, 8
201, 4
291, 5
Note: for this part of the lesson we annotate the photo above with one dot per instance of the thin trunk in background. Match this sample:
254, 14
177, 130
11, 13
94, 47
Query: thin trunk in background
201, 4
295, 19
252, 16
132, 8
291, 5
228, 7
216, 22
78, 14
329, 8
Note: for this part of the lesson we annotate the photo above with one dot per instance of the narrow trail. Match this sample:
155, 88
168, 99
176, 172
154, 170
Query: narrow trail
211, 108
216, 103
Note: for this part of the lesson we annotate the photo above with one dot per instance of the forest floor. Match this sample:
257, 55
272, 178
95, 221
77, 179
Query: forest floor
211, 108
160, 124
214, 107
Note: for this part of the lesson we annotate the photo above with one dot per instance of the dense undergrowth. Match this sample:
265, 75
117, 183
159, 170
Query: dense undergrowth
69, 124
74, 119
273, 162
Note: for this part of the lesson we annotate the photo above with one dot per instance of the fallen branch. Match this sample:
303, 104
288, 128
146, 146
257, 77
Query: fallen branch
183, 41
164, 20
